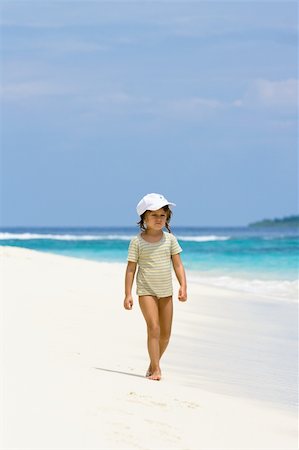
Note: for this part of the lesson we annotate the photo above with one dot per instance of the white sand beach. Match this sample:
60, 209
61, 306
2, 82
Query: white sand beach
73, 364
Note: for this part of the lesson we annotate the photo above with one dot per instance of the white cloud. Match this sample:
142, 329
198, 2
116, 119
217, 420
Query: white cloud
24, 90
119, 102
119, 98
57, 45
194, 107
277, 93
270, 94
70, 46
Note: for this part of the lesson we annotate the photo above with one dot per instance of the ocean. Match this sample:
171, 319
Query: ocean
261, 261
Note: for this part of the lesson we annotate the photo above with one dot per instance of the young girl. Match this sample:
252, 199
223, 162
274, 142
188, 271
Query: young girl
155, 252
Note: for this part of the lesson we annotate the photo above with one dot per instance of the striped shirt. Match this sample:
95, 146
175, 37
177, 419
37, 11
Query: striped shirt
154, 276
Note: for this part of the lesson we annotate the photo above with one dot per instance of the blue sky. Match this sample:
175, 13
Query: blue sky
103, 102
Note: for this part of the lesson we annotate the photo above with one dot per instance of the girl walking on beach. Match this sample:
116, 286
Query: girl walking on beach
155, 252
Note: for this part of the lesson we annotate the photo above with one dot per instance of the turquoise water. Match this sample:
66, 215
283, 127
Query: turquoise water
264, 260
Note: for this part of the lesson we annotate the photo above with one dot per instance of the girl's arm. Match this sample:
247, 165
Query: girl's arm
130, 273
181, 276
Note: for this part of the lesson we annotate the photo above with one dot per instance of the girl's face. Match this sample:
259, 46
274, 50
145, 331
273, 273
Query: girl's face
156, 219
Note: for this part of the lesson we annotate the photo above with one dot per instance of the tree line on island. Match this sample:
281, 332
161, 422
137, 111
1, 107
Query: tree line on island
289, 221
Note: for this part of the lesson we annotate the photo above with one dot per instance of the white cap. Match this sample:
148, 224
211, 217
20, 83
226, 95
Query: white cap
152, 202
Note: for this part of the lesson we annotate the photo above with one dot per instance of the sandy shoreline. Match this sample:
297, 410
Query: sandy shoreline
73, 362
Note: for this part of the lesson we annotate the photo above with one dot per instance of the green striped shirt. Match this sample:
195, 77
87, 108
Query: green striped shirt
154, 276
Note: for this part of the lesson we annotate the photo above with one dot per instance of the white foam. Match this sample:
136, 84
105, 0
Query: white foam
63, 237
203, 238
274, 289
99, 237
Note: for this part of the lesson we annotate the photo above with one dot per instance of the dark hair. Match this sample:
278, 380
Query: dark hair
168, 217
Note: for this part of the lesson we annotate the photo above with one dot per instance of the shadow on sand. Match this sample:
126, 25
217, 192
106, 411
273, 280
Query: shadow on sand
118, 371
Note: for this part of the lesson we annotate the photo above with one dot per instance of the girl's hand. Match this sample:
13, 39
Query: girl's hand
182, 294
128, 302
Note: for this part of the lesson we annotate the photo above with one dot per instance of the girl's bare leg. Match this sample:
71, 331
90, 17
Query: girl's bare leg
150, 310
165, 319
165, 311
165, 307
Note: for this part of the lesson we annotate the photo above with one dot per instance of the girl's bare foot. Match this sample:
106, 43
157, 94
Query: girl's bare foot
149, 371
156, 375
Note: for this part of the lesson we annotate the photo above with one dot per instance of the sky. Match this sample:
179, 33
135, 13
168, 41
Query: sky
104, 102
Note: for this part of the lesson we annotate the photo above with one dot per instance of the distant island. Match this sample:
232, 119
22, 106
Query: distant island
290, 221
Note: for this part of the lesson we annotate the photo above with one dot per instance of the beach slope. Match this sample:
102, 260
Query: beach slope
73, 364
